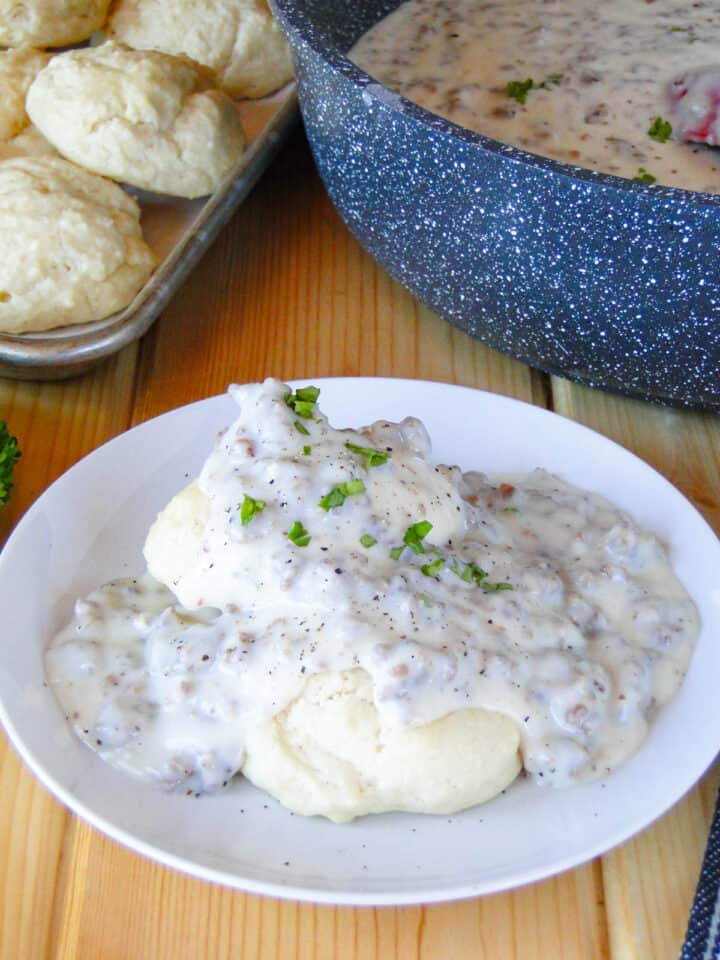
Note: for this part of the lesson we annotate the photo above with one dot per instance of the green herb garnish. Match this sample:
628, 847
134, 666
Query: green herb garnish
298, 534
415, 534
303, 401
373, 458
660, 130
9, 456
367, 541
643, 176
307, 451
472, 573
396, 552
249, 508
431, 569
489, 587
469, 572
339, 494
301, 428
519, 89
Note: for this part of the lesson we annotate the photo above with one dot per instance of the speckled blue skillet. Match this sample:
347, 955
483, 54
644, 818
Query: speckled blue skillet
593, 277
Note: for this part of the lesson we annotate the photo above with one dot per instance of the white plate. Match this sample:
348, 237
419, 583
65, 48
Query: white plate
89, 526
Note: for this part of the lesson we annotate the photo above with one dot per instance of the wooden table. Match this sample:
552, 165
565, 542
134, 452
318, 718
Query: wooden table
287, 291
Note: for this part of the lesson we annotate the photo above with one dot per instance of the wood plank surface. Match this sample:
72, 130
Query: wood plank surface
649, 882
287, 292
57, 423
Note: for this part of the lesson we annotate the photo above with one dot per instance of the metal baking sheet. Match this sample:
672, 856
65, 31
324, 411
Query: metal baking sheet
179, 233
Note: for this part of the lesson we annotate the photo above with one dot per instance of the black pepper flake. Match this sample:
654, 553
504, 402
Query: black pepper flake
206, 656
338, 569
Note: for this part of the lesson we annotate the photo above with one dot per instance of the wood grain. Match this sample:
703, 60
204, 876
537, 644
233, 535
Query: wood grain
649, 882
56, 424
286, 291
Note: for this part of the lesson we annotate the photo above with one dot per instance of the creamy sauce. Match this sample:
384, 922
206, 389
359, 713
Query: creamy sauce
607, 71
576, 627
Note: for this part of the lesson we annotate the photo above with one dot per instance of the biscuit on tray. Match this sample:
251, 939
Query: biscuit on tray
238, 39
49, 23
71, 246
18, 69
141, 117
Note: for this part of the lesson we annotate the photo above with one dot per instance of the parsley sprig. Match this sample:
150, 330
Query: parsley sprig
373, 458
367, 541
339, 494
303, 401
9, 456
249, 508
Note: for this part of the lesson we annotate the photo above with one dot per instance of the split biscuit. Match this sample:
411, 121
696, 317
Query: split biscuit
238, 39
49, 23
141, 117
71, 246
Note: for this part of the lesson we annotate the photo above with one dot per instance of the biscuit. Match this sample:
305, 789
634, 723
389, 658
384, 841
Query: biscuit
141, 117
49, 23
28, 143
175, 538
18, 69
328, 754
71, 247
238, 39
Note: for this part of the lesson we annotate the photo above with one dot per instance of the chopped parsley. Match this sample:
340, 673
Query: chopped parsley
644, 177
298, 535
519, 89
469, 572
301, 428
339, 494
307, 451
396, 552
249, 508
660, 130
303, 401
367, 541
415, 534
432, 569
489, 587
373, 458
472, 573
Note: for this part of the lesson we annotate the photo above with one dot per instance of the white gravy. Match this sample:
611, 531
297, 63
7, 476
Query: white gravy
577, 627
607, 72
